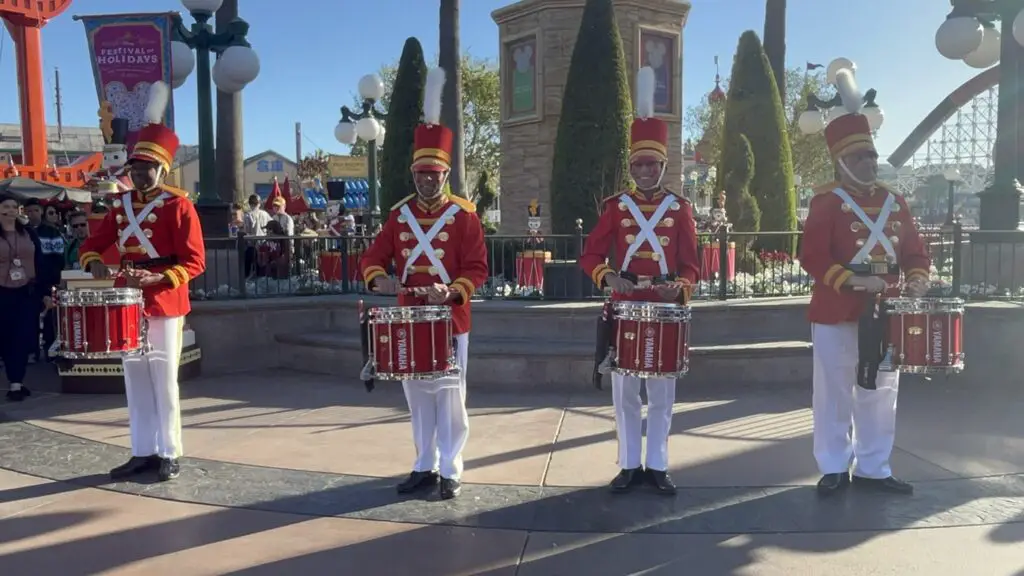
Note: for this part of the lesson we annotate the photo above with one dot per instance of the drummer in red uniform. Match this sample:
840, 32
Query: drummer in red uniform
857, 239
436, 241
157, 232
652, 232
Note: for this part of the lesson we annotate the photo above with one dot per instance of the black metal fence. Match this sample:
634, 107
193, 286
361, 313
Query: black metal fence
972, 263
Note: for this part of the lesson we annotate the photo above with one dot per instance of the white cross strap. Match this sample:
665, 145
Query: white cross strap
876, 227
646, 233
134, 228
424, 240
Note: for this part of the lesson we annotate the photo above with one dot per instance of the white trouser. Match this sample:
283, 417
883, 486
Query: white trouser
440, 423
661, 397
151, 384
838, 403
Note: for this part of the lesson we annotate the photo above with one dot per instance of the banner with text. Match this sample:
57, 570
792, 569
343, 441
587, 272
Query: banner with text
129, 52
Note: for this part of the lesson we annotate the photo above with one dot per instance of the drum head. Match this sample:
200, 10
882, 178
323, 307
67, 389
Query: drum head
924, 305
100, 297
662, 311
410, 314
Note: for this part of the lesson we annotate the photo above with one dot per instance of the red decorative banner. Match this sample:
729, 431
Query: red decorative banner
130, 52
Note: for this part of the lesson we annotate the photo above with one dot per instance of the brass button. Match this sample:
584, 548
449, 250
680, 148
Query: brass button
151, 217
630, 238
663, 240
449, 220
845, 207
439, 253
404, 236
855, 226
626, 222
895, 225
656, 257
622, 206
147, 233
675, 206
117, 203
119, 219
861, 242
406, 252
895, 207
894, 239
915, 331
443, 236
402, 219
432, 270
668, 222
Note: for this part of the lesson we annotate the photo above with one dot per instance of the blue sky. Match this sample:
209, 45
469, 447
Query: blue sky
313, 58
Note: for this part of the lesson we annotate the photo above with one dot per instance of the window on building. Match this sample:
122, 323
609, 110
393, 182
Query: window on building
195, 187
263, 189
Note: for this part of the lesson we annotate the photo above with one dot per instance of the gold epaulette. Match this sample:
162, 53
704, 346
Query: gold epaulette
402, 202
463, 203
615, 197
174, 191
676, 194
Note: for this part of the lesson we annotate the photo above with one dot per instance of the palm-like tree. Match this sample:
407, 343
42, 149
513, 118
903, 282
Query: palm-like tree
451, 107
775, 41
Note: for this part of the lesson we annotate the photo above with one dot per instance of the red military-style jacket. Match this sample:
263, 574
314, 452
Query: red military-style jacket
458, 246
167, 228
834, 234
617, 230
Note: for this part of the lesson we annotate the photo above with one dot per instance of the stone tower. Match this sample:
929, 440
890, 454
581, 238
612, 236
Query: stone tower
537, 39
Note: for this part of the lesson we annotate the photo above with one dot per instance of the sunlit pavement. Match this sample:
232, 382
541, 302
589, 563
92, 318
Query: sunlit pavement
290, 473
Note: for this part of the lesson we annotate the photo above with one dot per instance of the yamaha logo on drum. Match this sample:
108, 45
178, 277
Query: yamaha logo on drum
649, 347
76, 330
402, 349
938, 335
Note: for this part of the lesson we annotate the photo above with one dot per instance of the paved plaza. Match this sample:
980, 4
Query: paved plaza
293, 474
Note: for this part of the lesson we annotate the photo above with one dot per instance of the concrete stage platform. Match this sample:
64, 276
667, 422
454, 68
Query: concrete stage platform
289, 473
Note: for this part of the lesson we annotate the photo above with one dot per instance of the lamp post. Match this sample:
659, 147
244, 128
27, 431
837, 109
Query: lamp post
820, 111
953, 178
969, 33
366, 125
237, 65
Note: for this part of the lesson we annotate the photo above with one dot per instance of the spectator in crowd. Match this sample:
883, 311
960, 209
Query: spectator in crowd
51, 241
78, 221
255, 225
25, 287
237, 223
279, 214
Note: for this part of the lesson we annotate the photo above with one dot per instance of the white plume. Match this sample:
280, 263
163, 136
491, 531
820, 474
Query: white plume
432, 96
159, 96
846, 85
645, 85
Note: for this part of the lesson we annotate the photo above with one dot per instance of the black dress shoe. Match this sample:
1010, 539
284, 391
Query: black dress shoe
19, 394
891, 485
450, 488
134, 466
417, 481
169, 469
661, 481
626, 479
833, 483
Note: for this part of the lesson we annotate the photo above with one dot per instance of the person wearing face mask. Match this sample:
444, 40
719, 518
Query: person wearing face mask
653, 235
436, 241
157, 231
858, 238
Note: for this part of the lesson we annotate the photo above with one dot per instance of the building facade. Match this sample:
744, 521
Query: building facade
537, 39
259, 172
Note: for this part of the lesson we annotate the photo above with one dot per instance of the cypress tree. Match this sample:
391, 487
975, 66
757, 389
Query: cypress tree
404, 113
740, 205
592, 146
753, 109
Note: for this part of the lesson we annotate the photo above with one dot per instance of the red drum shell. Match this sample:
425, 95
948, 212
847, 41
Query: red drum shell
651, 347
405, 347
90, 329
926, 341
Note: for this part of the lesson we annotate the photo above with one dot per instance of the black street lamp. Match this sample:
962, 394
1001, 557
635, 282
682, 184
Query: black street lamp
366, 125
820, 111
969, 34
237, 65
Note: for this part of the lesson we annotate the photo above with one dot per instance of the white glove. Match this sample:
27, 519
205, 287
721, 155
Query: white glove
917, 288
618, 284
872, 284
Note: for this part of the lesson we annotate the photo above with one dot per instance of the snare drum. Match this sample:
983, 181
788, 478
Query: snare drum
100, 323
652, 340
412, 343
926, 335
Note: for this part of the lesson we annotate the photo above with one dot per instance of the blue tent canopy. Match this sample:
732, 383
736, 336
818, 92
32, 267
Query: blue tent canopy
315, 199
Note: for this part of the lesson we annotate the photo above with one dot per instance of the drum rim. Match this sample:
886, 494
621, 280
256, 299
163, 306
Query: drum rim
405, 311
99, 296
